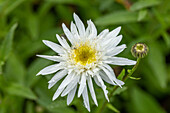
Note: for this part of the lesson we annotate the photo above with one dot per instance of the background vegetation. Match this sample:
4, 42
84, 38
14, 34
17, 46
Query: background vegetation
25, 23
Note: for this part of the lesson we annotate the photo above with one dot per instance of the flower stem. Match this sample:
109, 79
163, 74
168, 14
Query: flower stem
115, 87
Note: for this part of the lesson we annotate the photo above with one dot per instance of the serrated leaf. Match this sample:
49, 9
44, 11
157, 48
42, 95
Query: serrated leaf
20, 90
7, 44
111, 107
119, 17
142, 102
144, 4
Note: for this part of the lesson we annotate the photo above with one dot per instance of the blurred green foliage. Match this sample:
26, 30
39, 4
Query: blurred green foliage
25, 23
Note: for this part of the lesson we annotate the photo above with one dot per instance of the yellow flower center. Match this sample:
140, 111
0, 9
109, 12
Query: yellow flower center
84, 54
140, 47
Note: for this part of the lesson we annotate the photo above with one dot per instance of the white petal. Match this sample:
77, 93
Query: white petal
88, 29
82, 84
71, 95
96, 81
59, 75
55, 47
53, 58
86, 98
70, 86
109, 72
105, 78
103, 34
120, 61
102, 86
113, 33
74, 31
90, 84
50, 69
63, 42
68, 33
65, 82
93, 30
114, 42
116, 50
120, 82
79, 25
110, 75
57, 93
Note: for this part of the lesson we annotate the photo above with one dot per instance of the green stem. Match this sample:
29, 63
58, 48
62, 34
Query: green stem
115, 87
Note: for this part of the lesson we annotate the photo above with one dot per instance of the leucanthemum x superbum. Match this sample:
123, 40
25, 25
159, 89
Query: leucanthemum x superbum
86, 58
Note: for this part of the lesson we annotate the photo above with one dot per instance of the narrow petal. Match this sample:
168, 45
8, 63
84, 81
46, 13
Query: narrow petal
74, 31
79, 25
53, 58
63, 42
65, 82
98, 78
103, 34
93, 30
116, 50
71, 95
90, 84
59, 75
86, 98
88, 29
113, 42
68, 33
105, 78
113, 33
55, 47
110, 73
82, 84
120, 61
70, 86
50, 69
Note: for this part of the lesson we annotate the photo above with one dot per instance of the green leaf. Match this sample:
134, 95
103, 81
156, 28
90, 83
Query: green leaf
6, 46
20, 90
30, 107
12, 5
134, 78
142, 102
129, 70
15, 69
111, 107
120, 17
60, 106
144, 4
76, 2
120, 90
157, 64
121, 75
142, 14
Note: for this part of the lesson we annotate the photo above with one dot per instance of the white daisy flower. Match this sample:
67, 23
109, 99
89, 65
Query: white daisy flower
87, 58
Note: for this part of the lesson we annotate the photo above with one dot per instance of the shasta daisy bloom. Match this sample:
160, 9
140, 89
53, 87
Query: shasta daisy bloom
86, 58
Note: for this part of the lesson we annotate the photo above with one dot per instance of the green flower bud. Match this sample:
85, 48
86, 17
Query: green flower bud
139, 50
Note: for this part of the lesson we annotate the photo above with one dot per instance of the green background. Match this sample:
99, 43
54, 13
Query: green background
25, 23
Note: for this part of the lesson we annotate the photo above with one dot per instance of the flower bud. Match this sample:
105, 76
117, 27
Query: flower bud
139, 50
